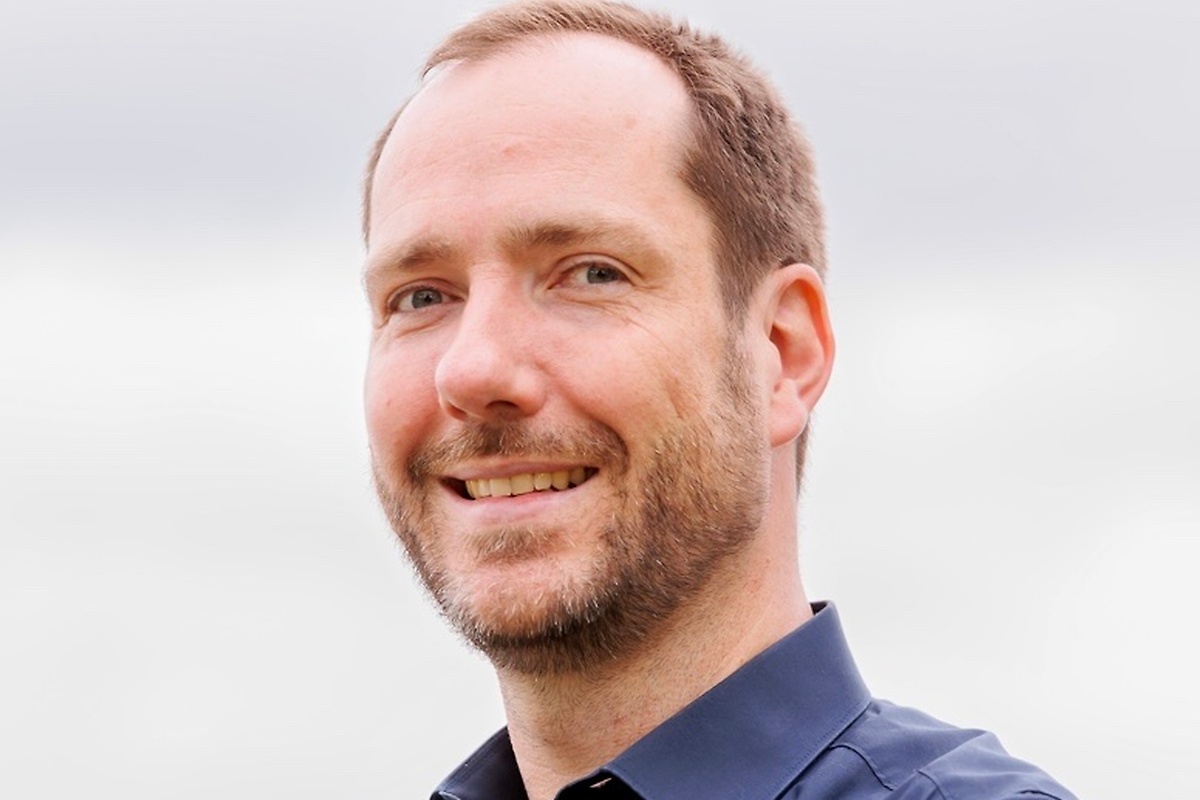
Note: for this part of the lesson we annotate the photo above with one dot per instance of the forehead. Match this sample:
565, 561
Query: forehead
591, 109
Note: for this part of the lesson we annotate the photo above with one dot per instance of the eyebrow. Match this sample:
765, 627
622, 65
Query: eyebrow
520, 238
559, 234
411, 255
407, 257
620, 238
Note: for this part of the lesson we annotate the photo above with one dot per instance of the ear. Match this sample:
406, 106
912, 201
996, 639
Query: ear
795, 319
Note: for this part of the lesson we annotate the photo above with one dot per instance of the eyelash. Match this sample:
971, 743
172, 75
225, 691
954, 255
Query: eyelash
584, 268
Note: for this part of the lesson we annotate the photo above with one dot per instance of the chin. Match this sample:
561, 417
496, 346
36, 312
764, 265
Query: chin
526, 600
538, 623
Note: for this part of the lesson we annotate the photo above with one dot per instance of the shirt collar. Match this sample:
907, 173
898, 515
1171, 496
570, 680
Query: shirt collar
489, 774
752, 734
749, 736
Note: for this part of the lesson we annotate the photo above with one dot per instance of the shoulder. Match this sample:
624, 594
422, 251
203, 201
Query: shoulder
903, 754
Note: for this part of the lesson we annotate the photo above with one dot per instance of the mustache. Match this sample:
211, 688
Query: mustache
591, 444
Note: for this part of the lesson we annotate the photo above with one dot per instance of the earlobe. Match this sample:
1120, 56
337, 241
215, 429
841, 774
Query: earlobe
797, 326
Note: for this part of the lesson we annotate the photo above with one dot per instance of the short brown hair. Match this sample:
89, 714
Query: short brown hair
748, 162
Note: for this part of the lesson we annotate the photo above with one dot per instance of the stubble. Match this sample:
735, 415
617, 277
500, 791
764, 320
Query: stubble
700, 498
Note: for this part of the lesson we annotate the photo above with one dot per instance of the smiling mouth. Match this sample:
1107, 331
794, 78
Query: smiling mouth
524, 483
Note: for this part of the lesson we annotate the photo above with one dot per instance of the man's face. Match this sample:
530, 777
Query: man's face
565, 433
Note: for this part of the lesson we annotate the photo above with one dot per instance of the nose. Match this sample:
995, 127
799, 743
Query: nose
490, 371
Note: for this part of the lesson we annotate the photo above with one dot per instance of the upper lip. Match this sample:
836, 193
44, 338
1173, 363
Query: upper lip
474, 472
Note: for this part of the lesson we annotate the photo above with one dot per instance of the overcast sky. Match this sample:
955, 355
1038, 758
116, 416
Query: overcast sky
198, 597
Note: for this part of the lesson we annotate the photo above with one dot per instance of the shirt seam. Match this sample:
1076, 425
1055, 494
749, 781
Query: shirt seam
947, 796
871, 765
822, 743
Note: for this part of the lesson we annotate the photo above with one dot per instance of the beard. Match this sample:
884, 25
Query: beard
699, 499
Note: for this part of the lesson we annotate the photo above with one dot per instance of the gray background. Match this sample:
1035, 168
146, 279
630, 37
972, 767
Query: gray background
197, 595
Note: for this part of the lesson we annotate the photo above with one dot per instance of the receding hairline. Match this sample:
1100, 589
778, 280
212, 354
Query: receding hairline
685, 126
541, 41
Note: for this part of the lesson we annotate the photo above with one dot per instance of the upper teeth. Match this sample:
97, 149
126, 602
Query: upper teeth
525, 483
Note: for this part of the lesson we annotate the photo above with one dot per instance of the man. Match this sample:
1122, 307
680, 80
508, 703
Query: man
594, 267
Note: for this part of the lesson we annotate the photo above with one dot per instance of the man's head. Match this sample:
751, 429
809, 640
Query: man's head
579, 396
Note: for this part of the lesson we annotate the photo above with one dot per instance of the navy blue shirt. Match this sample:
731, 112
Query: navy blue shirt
796, 721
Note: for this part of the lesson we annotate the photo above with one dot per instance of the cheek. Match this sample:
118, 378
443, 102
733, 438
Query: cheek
398, 398
640, 385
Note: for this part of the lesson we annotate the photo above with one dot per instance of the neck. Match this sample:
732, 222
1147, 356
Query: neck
564, 726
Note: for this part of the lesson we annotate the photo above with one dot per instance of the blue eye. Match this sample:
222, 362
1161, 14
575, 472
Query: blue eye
601, 273
421, 298
415, 299
594, 273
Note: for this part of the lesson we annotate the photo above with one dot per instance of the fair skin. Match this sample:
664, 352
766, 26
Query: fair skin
535, 259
